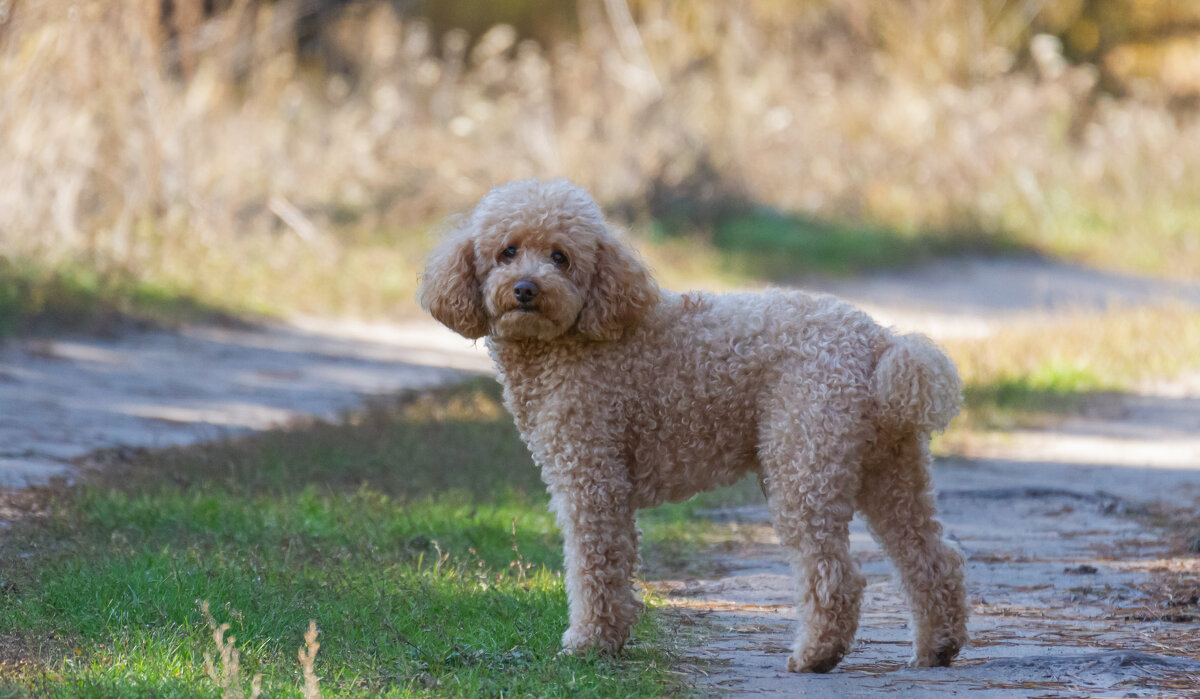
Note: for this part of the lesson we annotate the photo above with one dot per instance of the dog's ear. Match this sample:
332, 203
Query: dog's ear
622, 291
449, 289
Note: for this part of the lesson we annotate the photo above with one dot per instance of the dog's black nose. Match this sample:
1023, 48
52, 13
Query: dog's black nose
525, 291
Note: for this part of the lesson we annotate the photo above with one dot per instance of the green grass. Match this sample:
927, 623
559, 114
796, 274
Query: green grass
416, 535
38, 297
763, 244
1055, 388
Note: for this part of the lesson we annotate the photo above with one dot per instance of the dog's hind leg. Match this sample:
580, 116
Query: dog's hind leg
897, 499
811, 496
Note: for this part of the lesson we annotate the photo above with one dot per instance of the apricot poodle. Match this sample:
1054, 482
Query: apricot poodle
628, 395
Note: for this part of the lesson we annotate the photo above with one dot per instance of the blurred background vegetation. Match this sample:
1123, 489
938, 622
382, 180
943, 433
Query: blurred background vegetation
293, 155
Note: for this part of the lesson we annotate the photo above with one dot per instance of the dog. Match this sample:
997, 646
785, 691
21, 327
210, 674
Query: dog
628, 396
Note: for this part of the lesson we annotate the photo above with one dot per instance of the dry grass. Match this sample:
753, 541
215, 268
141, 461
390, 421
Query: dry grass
226, 671
1170, 600
1068, 363
1170, 595
1114, 347
262, 181
308, 656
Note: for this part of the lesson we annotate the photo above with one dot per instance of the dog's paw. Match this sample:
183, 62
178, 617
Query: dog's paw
940, 655
580, 640
814, 662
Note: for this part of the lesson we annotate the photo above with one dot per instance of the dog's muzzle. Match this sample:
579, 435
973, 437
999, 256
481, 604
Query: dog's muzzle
526, 291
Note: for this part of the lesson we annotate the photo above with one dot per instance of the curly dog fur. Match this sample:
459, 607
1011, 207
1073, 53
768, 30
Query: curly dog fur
629, 395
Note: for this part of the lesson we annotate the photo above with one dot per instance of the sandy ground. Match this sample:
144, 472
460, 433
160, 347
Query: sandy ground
1062, 578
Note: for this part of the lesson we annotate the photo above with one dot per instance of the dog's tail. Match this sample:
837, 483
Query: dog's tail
916, 386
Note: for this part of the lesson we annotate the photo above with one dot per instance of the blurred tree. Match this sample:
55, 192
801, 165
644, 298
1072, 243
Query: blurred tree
183, 33
181, 24
544, 20
1127, 39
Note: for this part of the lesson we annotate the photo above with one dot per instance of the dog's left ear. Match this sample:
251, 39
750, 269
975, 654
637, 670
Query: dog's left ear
622, 291
449, 289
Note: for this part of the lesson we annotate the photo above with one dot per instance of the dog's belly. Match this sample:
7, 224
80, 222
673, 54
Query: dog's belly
677, 459
695, 426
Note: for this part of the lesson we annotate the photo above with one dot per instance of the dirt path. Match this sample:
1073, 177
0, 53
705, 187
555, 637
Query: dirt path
1074, 594
65, 397
1067, 587
975, 296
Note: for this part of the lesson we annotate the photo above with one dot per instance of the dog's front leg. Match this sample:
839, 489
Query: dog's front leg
600, 546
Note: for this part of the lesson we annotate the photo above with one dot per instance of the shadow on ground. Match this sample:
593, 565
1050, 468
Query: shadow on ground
781, 247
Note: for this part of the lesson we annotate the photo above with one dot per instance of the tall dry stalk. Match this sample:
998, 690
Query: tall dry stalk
308, 656
225, 672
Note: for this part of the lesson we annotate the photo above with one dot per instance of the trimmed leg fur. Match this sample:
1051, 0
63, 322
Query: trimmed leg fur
813, 525
897, 498
601, 542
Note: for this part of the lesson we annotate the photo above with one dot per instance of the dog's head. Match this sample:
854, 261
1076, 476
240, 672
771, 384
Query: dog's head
535, 260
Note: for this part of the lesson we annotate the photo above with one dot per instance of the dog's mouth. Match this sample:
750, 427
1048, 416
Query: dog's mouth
526, 308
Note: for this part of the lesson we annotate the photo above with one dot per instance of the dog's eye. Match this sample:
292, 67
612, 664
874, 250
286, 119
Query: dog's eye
558, 258
509, 252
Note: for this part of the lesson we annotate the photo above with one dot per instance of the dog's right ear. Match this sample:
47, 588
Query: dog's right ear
449, 289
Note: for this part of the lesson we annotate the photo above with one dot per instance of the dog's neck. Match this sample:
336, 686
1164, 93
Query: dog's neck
530, 356
532, 369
